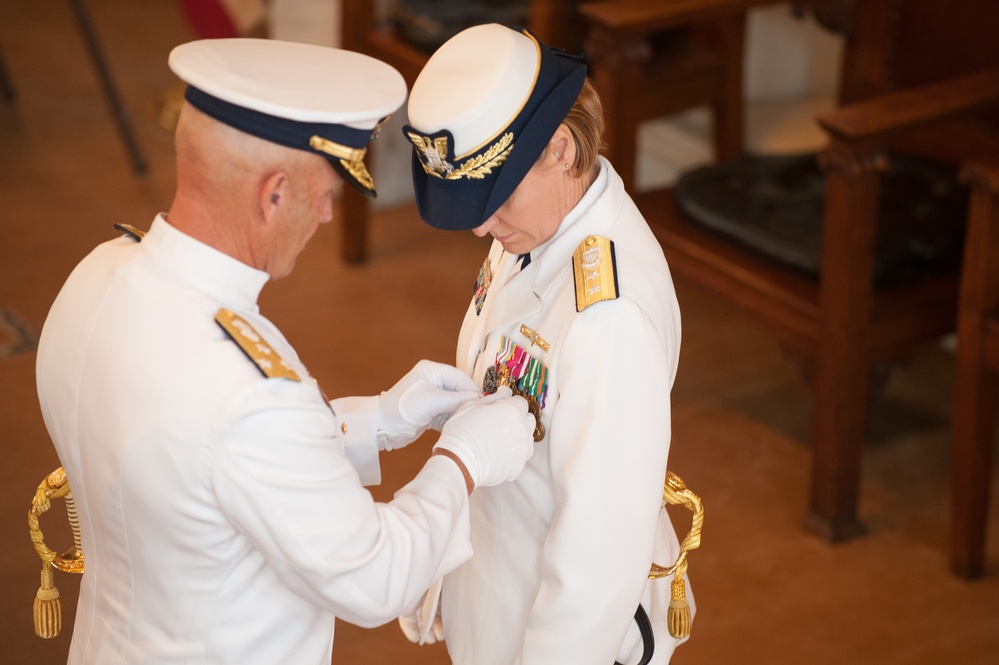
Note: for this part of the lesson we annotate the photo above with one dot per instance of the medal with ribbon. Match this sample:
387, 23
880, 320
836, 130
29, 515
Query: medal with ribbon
482, 283
525, 375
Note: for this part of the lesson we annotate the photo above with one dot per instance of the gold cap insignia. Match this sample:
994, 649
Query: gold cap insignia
434, 151
433, 154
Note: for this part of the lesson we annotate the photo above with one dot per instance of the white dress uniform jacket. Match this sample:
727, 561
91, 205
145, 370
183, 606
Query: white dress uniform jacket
562, 553
221, 521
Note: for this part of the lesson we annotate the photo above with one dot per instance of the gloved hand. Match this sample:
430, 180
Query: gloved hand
493, 436
421, 624
425, 397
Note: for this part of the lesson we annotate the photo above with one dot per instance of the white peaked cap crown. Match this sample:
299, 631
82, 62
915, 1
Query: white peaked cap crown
475, 84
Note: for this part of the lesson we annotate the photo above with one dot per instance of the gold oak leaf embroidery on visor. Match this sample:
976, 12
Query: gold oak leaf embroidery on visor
352, 159
336, 149
434, 153
360, 173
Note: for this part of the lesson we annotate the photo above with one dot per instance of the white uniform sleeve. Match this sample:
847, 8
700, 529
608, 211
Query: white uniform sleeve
358, 418
281, 476
610, 436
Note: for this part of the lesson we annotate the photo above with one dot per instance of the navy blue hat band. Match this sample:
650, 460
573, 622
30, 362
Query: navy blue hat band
343, 146
290, 133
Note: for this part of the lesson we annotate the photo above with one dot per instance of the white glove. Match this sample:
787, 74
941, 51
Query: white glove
421, 624
425, 397
493, 436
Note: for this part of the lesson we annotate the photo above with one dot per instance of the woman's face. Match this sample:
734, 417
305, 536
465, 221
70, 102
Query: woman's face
534, 211
528, 218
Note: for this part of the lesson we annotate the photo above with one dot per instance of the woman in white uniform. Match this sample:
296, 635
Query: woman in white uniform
574, 307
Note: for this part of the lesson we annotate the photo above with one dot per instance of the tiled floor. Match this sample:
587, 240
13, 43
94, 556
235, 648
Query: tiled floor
767, 591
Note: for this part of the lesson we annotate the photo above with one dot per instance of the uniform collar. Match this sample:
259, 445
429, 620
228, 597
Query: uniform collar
551, 258
232, 283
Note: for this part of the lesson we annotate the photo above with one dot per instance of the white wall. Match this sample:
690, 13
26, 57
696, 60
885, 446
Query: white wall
307, 21
789, 57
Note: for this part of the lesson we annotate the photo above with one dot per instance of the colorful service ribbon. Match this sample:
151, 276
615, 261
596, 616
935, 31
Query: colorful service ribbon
530, 375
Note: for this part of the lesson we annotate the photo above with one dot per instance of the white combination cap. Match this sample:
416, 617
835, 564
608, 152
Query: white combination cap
314, 98
481, 112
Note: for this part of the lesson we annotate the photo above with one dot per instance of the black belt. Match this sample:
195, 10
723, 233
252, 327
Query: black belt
648, 641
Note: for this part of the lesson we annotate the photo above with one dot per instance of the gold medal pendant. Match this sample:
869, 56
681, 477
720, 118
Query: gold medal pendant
499, 375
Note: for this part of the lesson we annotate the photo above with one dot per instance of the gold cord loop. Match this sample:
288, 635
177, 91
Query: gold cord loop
48, 607
675, 492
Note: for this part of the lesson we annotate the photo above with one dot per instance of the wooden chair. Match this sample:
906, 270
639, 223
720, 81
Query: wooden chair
656, 59
975, 374
912, 72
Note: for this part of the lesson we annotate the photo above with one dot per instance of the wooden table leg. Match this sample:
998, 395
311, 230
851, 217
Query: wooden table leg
618, 76
354, 215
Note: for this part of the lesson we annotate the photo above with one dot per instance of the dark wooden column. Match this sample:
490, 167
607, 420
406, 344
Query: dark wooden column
975, 374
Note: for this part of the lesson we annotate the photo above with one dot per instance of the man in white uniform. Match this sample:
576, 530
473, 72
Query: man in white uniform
220, 494
575, 307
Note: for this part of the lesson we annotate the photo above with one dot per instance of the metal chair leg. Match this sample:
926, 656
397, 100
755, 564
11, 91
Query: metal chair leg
110, 90
6, 87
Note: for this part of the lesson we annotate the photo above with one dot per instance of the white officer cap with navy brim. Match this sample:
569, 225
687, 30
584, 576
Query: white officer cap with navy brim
313, 98
481, 112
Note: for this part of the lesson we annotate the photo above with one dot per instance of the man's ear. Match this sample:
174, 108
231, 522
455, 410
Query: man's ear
273, 192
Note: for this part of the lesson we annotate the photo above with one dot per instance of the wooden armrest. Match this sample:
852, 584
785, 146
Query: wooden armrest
642, 16
906, 109
982, 173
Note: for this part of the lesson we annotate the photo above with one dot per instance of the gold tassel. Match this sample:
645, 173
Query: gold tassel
676, 493
48, 607
678, 615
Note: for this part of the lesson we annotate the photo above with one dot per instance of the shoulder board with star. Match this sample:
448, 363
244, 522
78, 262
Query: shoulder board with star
594, 268
253, 345
132, 232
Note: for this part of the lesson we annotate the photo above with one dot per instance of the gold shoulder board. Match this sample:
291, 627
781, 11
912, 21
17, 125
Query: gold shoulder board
132, 232
595, 271
253, 345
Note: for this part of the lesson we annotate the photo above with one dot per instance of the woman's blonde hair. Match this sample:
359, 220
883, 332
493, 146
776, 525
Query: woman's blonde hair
585, 121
